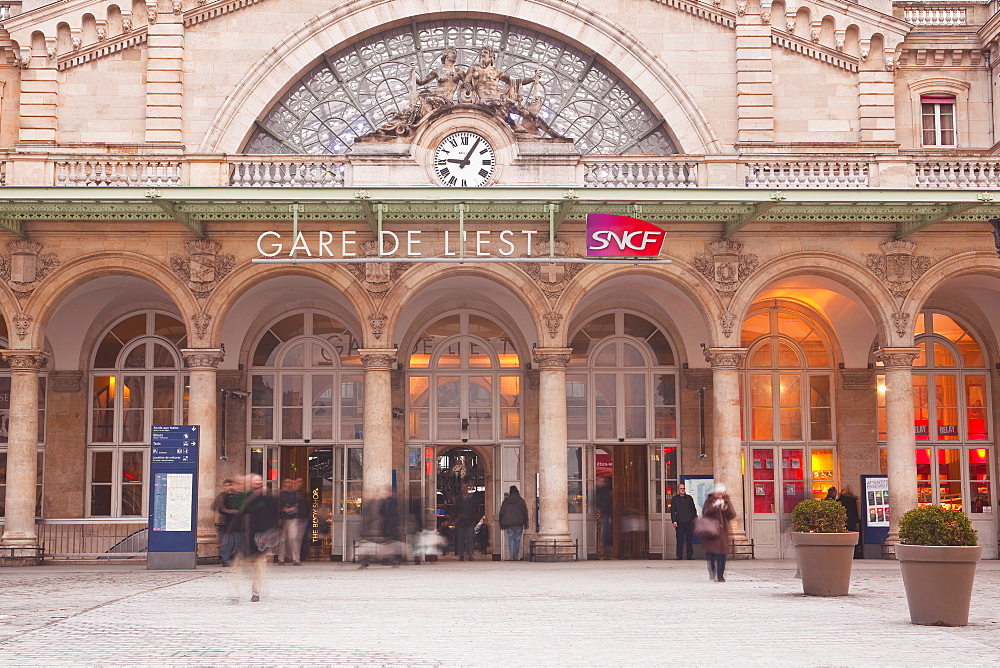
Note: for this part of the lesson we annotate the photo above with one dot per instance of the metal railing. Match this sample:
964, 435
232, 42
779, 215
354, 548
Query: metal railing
92, 538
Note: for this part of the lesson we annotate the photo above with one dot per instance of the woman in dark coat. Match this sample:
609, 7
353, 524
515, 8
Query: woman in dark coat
718, 508
850, 503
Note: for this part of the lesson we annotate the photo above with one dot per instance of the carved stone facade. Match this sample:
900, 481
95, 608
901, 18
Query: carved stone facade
26, 266
203, 267
376, 277
725, 266
897, 266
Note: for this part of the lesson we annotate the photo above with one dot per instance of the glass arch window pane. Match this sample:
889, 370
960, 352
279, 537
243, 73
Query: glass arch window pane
163, 358
600, 327
943, 356
360, 87
450, 357
947, 327
290, 327
107, 353
445, 327
479, 358
484, 327
815, 350
972, 354
793, 326
754, 327
632, 356
323, 325
922, 356
263, 355
662, 349
760, 358
638, 327
169, 328
294, 357
130, 328
787, 357
607, 356
136, 358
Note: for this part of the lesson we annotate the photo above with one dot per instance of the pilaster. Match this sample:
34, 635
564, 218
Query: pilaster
39, 101
754, 80
164, 73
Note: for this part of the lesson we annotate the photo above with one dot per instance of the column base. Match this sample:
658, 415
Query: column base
742, 545
20, 556
553, 548
207, 547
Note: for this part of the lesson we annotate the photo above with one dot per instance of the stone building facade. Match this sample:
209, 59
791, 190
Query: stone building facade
261, 218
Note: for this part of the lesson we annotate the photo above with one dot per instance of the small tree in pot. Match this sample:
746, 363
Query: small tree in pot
824, 547
938, 553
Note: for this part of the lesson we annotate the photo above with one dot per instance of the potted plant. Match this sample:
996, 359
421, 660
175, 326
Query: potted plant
938, 552
824, 547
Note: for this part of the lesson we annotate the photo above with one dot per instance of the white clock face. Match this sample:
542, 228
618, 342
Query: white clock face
464, 160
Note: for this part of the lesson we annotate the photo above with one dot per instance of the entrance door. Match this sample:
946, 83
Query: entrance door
621, 503
778, 483
456, 468
314, 466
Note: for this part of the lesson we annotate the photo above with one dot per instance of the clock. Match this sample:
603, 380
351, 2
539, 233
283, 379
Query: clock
464, 160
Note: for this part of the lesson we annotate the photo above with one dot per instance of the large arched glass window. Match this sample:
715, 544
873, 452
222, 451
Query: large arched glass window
951, 415
136, 382
306, 382
464, 382
787, 407
357, 89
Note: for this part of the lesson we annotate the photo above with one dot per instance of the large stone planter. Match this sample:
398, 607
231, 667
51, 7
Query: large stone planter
938, 582
825, 561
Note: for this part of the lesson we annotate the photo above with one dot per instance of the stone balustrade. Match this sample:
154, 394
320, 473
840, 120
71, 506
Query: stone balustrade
601, 172
853, 171
9, 8
108, 171
807, 174
306, 171
958, 174
936, 16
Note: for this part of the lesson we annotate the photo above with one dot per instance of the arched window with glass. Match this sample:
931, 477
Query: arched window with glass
951, 416
788, 407
137, 381
622, 427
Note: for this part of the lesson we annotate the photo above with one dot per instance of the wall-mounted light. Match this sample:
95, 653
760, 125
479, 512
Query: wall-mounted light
465, 430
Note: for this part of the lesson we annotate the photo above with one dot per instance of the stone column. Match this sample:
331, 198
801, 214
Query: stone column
900, 443
376, 473
552, 448
202, 364
726, 444
22, 453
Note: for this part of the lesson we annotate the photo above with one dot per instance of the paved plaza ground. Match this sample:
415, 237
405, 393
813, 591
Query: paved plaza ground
481, 613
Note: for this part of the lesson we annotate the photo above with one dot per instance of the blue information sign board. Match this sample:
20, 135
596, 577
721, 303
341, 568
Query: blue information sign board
173, 503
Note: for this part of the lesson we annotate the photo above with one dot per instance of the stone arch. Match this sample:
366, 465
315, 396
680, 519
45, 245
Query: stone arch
963, 264
690, 283
337, 27
9, 309
875, 296
520, 285
47, 298
245, 277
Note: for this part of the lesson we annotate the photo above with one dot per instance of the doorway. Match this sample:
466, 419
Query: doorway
315, 466
620, 496
457, 468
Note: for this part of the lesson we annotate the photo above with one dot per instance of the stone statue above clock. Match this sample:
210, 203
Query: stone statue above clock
516, 101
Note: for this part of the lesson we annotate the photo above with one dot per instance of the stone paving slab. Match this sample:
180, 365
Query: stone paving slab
480, 614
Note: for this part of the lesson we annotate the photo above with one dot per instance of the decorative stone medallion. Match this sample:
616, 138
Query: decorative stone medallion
203, 267
551, 278
376, 277
725, 266
25, 267
897, 266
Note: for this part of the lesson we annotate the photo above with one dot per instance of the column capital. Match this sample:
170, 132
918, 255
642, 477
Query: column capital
378, 359
551, 358
725, 358
25, 360
897, 357
203, 358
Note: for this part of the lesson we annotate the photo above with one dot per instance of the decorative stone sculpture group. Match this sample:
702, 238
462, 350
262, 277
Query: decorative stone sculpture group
516, 101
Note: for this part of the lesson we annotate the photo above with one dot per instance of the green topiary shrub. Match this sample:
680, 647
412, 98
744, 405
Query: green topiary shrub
934, 525
826, 516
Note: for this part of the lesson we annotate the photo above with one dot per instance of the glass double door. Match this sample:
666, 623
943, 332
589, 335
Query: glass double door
779, 478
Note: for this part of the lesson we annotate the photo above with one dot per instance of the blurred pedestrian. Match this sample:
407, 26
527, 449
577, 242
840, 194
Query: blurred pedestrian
227, 524
392, 528
682, 515
850, 503
292, 521
465, 525
831, 494
718, 509
259, 512
513, 519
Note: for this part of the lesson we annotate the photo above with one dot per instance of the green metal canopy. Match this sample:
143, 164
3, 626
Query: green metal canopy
734, 208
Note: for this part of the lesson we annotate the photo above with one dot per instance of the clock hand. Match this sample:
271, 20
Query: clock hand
466, 161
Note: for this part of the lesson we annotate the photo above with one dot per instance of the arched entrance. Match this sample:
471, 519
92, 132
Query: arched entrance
463, 419
622, 427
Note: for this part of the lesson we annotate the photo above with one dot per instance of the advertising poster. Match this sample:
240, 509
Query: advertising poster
877, 496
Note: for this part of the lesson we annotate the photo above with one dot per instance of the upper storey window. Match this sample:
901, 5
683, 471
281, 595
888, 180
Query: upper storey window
938, 118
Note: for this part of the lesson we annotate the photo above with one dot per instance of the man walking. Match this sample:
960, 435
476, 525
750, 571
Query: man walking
682, 514
468, 516
513, 519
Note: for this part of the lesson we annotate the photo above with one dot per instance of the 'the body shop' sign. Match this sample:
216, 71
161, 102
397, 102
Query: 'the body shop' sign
620, 236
